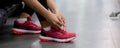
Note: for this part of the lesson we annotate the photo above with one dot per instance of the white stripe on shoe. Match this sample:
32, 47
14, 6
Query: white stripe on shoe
56, 39
26, 31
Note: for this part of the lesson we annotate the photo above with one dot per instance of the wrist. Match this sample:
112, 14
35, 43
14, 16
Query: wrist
54, 11
49, 15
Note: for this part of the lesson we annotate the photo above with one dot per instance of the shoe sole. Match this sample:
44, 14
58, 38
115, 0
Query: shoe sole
113, 16
49, 39
23, 31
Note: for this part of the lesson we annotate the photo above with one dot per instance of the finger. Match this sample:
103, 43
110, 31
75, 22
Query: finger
60, 20
57, 26
54, 26
64, 21
60, 24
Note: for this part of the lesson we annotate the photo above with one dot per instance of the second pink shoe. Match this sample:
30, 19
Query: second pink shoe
26, 27
57, 35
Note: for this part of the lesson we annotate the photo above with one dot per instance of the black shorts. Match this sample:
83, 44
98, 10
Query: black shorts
30, 11
7, 5
4, 3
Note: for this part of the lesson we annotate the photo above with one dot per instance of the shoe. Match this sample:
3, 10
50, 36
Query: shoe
114, 15
57, 35
26, 27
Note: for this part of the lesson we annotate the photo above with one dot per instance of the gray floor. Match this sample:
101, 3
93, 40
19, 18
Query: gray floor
89, 19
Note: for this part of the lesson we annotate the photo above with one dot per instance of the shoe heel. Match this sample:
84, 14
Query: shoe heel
44, 40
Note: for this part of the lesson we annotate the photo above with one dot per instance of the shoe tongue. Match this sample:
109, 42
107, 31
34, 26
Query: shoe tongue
60, 30
56, 30
28, 22
29, 19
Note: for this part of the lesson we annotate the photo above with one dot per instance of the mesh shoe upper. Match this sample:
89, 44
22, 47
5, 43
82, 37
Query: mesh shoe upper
58, 33
29, 25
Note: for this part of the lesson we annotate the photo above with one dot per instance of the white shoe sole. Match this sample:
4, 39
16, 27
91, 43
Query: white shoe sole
24, 31
55, 39
114, 17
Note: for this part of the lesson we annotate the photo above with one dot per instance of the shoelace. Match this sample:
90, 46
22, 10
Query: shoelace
63, 30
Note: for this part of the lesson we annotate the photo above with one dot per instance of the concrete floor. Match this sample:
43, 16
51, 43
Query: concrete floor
89, 19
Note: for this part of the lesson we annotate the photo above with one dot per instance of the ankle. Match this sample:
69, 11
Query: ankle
24, 15
45, 24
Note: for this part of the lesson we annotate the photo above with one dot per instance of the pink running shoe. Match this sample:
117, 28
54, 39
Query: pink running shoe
57, 35
25, 28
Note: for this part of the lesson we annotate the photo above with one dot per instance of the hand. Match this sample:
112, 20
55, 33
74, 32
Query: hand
61, 18
54, 21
